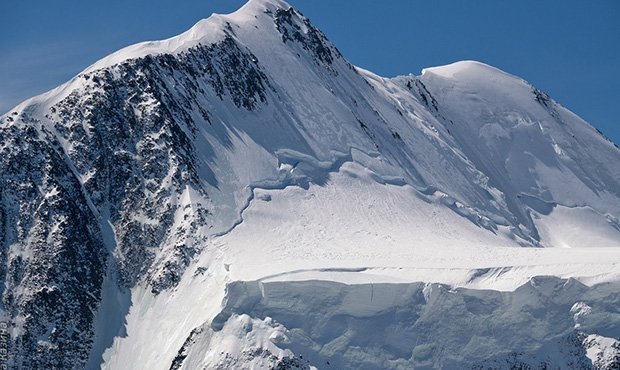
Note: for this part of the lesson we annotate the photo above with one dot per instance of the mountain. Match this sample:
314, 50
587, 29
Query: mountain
241, 196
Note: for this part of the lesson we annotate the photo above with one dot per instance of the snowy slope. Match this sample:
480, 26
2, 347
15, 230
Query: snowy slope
250, 199
546, 156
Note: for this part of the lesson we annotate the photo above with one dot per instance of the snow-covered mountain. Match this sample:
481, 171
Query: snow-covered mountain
241, 196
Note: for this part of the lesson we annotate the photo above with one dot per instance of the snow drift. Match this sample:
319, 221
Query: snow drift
241, 196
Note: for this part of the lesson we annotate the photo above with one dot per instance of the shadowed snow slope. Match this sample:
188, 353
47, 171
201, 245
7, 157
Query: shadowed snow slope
241, 196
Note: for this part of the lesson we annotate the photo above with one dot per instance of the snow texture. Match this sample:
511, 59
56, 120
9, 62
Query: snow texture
241, 196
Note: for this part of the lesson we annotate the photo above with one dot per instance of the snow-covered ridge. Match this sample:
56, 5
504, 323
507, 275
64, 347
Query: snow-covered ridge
214, 182
206, 31
470, 67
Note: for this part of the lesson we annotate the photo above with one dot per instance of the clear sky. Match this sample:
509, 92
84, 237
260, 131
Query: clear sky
568, 48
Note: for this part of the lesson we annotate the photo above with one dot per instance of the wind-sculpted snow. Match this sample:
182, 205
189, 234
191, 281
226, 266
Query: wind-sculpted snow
248, 149
544, 323
534, 153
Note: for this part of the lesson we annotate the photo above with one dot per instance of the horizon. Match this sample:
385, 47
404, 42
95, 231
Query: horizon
33, 62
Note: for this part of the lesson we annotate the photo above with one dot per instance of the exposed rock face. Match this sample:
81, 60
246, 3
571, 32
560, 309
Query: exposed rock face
52, 251
114, 156
125, 175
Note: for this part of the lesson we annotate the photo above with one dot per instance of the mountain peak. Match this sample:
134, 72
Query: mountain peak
488, 82
205, 31
235, 196
264, 5
253, 22
463, 67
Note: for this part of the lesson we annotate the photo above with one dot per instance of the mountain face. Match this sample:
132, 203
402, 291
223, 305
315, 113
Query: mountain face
241, 196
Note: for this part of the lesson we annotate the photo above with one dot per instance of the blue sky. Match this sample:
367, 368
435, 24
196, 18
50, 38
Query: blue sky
569, 48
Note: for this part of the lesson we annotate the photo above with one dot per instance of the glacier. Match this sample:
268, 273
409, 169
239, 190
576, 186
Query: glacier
241, 196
